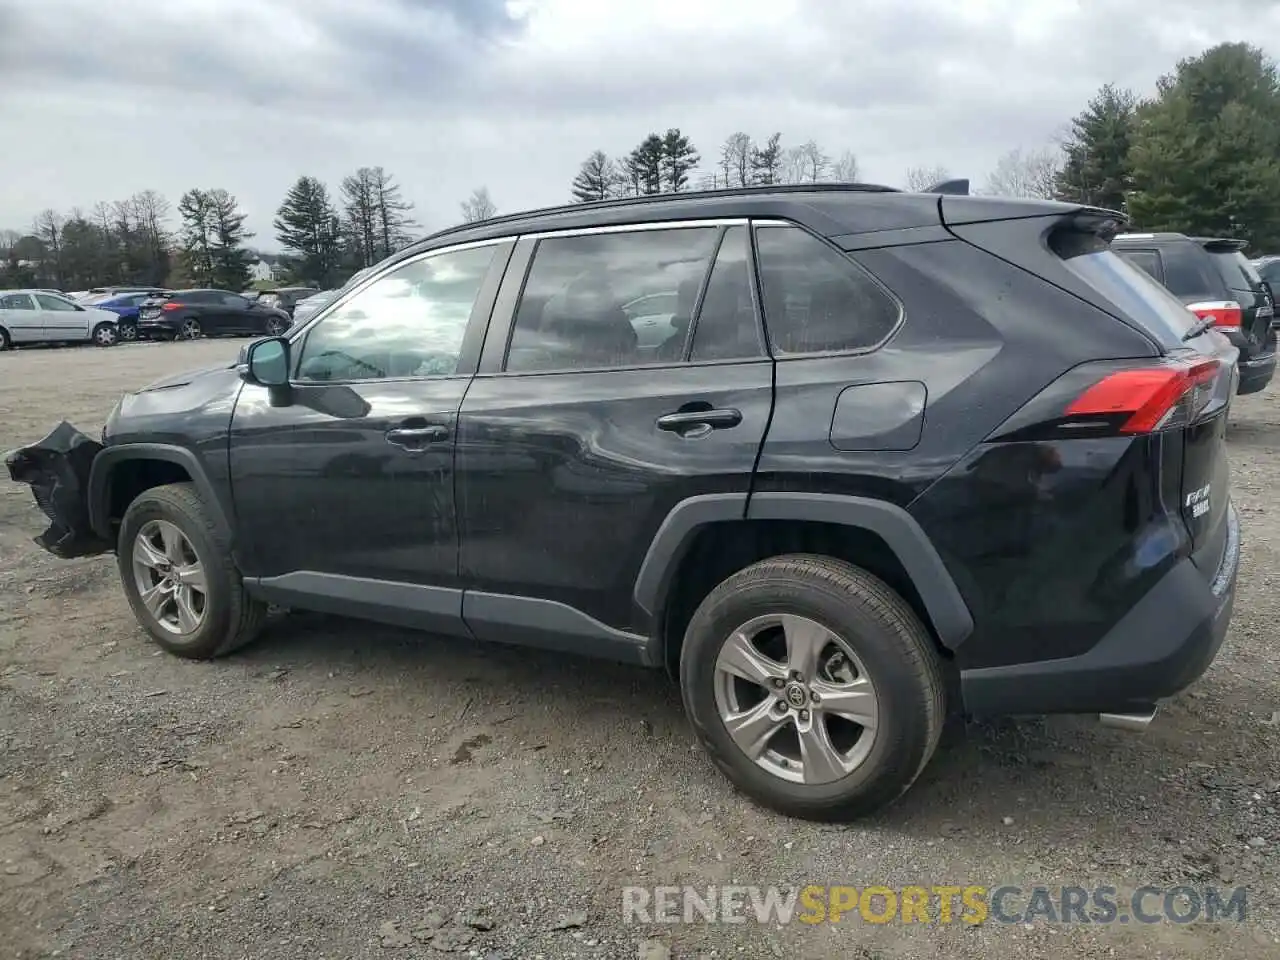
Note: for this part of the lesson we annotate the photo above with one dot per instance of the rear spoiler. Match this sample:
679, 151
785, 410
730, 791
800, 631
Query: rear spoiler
1221, 244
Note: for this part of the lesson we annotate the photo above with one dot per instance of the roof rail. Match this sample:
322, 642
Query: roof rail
667, 198
957, 188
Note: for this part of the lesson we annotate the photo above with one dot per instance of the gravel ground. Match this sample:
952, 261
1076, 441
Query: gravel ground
347, 790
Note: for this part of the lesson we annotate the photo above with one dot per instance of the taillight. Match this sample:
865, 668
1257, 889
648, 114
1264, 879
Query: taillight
1146, 399
171, 306
1227, 315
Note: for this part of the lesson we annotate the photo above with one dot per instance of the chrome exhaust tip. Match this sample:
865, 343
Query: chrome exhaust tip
1132, 722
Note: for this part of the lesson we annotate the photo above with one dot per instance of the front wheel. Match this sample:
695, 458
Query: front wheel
276, 326
106, 335
177, 573
5, 342
813, 686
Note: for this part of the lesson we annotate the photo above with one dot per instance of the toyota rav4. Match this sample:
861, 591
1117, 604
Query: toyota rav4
842, 459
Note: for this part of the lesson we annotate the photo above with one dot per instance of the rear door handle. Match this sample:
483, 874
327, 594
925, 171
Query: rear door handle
417, 436
686, 421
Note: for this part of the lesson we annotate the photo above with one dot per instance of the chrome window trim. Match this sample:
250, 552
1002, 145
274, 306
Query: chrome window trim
636, 227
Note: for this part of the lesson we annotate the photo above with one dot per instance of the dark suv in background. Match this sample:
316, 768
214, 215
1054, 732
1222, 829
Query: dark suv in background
1217, 283
188, 314
840, 458
286, 298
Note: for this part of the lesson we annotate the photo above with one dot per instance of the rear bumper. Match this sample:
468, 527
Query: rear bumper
157, 328
1256, 373
1160, 647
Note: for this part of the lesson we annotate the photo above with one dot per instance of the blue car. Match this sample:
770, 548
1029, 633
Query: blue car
125, 306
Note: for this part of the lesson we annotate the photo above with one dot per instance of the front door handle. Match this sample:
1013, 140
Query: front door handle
417, 436
685, 422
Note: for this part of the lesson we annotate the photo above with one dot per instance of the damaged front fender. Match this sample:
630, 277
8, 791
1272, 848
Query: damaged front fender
57, 470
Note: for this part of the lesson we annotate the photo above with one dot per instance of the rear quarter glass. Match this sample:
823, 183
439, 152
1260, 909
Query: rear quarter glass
1143, 300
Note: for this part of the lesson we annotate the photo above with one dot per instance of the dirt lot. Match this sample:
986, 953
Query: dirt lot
344, 790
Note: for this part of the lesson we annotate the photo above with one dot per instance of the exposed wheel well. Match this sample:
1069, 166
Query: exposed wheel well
720, 550
129, 478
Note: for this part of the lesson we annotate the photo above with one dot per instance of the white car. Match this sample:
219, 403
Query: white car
37, 316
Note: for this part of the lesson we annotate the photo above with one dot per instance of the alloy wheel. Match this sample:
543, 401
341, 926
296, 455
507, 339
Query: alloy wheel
191, 329
170, 577
796, 699
128, 332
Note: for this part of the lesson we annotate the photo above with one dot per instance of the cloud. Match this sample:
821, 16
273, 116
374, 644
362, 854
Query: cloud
450, 94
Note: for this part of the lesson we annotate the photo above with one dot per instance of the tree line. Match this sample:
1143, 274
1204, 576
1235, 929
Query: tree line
669, 163
136, 241
1200, 156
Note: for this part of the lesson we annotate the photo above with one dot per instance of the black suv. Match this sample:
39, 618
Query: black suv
839, 458
286, 298
188, 314
1218, 284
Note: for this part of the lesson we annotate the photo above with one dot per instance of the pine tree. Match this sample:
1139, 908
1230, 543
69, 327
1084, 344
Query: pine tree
644, 165
392, 214
227, 235
305, 224
766, 161
678, 158
1097, 169
596, 180
1205, 151
196, 210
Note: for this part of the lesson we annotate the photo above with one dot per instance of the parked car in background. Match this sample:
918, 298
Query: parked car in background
1268, 269
864, 480
1218, 284
189, 314
286, 298
308, 308
304, 310
126, 306
37, 316
98, 294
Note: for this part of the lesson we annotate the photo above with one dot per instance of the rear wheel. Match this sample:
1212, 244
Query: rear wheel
106, 335
190, 329
814, 687
128, 331
275, 326
178, 575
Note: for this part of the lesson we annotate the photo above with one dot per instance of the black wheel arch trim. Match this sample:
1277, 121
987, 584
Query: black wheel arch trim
946, 609
104, 464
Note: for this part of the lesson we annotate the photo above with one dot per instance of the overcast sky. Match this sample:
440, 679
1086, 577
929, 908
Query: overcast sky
101, 98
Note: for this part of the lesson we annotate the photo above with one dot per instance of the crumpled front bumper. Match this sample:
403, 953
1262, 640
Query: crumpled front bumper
57, 469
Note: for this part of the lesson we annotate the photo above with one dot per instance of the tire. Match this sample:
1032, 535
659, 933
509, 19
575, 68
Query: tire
227, 617
128, 331
106, 335
5, 342
190, 329
847, 611
276, 326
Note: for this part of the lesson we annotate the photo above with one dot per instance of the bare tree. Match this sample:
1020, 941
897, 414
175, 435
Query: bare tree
920, 179
360, 217
1032, 174
48, 227
393, 213
479, 206
735, 159
845, 169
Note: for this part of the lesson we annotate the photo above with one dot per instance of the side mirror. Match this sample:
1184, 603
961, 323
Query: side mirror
266, 362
